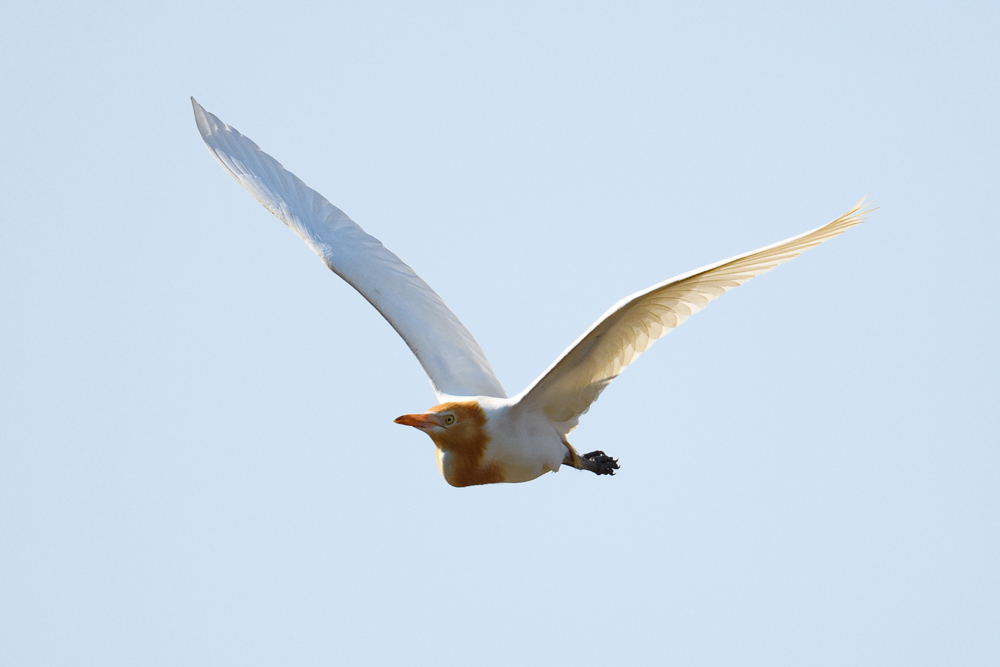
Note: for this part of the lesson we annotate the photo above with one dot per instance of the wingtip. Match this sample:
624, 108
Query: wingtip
860, 211
865, 207
201, 118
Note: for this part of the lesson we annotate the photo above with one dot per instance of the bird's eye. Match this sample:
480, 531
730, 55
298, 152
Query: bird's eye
449, 420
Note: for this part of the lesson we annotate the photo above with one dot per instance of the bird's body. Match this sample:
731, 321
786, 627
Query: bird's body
493, 441
481, 435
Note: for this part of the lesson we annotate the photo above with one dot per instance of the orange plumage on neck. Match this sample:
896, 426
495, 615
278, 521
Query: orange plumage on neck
461, 447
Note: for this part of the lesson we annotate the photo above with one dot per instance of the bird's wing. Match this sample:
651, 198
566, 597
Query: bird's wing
569, 386
450, 356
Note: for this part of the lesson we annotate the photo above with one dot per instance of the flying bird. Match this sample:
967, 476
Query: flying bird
482, 436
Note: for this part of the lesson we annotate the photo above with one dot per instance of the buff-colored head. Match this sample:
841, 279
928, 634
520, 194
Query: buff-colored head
458, 430
452, 426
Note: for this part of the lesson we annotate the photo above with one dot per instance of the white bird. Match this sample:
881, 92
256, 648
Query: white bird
481, 435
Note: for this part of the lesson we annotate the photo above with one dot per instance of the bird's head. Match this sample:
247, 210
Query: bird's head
454, 427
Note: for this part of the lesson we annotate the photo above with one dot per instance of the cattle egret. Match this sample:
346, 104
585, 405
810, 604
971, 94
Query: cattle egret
481, 435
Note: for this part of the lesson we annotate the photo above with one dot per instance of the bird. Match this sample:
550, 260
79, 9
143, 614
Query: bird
481, 435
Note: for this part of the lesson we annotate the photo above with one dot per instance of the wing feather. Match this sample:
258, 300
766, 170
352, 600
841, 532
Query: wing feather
450, 356
569, 386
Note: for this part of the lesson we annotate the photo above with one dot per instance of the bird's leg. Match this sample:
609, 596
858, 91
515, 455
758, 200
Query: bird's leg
597, 462
572, 458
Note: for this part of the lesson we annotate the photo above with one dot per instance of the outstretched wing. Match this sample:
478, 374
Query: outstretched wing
450, 356
566, 390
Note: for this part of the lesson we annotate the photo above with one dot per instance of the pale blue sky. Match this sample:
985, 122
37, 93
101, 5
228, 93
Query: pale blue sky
198, 463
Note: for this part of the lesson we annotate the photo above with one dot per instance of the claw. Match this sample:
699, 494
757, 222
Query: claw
603, 464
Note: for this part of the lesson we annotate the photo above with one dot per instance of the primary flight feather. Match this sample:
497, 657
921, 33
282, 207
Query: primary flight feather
482, 436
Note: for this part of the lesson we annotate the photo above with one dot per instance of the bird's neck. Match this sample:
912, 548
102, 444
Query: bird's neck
462, 468
462, 448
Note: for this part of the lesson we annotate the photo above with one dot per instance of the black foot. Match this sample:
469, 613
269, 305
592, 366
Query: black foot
601, 463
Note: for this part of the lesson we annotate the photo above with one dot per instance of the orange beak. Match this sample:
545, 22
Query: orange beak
424, 422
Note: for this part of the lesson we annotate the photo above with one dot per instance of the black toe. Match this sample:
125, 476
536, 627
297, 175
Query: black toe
605, 465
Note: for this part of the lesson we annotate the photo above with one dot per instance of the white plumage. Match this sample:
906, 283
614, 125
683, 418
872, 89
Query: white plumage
449, 354
481, 435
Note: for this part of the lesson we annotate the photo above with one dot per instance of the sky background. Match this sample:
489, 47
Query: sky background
198, 463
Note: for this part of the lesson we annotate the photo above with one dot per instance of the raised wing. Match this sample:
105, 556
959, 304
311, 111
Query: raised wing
566, 390
450, 356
